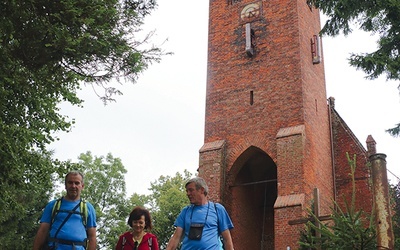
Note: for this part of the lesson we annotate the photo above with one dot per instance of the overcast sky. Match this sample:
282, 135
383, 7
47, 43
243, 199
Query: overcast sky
156, 127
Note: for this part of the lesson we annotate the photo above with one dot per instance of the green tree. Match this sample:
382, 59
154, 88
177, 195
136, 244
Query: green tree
380, 17
167, 199
49, 50
349, 229
105, 189
138, 200
22, 208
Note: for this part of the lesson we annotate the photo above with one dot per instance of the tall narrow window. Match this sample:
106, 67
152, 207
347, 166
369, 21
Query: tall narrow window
316, 49
251, 97
250, 40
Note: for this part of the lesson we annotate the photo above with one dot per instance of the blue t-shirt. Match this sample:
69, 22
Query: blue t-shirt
73, 229
207, 215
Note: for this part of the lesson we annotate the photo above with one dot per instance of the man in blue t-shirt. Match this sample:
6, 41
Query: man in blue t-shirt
67, 230
200, 224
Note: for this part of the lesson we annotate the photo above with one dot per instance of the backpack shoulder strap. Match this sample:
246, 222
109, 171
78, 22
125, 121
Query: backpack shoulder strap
56, 209
84, 212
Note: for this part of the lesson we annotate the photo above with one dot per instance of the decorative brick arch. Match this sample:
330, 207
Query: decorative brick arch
239, 157
240, 148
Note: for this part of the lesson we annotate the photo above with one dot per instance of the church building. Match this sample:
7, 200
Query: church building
274, 143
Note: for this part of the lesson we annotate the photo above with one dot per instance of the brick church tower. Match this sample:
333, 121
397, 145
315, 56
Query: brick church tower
268, 130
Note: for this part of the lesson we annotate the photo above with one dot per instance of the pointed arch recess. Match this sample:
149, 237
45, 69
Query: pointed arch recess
251, 197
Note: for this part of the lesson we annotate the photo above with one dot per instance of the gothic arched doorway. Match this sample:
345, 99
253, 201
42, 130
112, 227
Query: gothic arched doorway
253, 192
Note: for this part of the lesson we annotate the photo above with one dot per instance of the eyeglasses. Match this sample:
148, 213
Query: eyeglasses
135, 244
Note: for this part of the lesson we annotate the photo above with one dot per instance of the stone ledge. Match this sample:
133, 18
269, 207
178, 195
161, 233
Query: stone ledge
289, 201
209, 146
290, 131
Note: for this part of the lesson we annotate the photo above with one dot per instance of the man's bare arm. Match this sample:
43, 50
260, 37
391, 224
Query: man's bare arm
41, 236
92, 238
226, 235
175, 239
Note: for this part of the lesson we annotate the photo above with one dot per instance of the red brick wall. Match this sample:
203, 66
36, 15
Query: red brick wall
246, 219
287, 235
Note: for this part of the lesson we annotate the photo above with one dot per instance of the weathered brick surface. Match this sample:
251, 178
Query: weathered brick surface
278, 146
211, 166
345, 143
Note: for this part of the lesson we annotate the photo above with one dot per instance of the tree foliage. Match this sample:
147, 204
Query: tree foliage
105, 188
49, 50
381, 17
21, 209
349, 229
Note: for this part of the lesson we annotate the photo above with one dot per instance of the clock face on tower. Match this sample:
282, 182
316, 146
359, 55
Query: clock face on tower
250, 12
